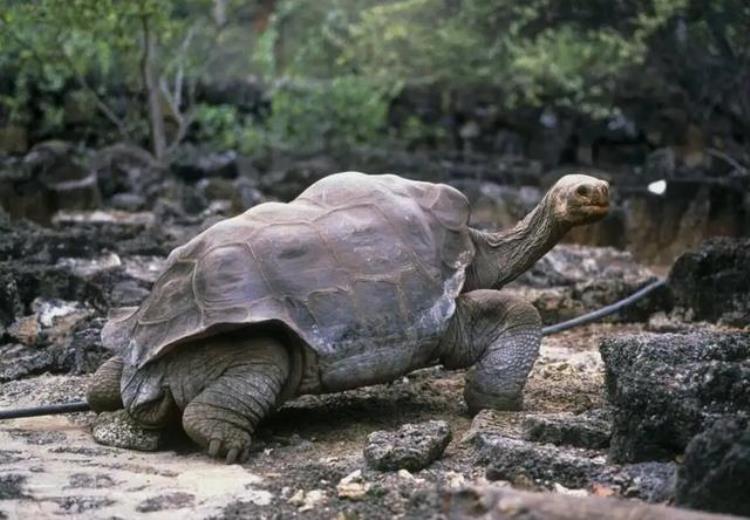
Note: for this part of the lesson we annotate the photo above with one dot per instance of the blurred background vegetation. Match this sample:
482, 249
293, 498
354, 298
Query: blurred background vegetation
411, 74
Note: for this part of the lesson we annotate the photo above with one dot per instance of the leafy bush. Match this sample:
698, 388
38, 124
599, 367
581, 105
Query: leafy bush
224, 127
342, 112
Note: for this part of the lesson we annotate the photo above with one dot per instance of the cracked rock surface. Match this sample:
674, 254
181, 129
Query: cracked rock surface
411, 447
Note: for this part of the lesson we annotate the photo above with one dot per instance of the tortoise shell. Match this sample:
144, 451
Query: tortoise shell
356, 264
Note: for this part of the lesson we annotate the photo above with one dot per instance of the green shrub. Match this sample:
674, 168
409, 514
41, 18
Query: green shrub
338, 113
224, 127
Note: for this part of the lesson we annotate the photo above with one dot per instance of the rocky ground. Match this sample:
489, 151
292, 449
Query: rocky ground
309, 459
649, 406
304, 455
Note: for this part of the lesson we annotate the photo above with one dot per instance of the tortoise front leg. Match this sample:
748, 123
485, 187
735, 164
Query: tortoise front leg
224, 415
500, 336
103, 393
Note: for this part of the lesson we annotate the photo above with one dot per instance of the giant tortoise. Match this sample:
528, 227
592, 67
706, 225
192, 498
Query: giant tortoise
357, 281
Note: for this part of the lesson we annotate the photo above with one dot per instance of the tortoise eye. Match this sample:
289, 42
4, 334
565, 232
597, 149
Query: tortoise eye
583, 190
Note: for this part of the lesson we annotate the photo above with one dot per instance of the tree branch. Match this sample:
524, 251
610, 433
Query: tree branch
98, 100
742, 170
184, 118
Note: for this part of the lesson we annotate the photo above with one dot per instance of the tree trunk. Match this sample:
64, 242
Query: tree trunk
219, 12
151, 90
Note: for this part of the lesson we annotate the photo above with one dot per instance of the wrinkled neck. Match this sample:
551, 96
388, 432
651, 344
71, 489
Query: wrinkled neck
502, 256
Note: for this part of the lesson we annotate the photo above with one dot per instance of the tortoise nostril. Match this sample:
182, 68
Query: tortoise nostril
583, 190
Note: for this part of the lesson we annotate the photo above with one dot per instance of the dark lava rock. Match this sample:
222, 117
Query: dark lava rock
523, 462
713, 281
83, 352
128, 293
290, 177
176, 500
666, 388
10, 300
51, 177
582, 431
28, 244
128, 202
244, 94
59, 337
648, 481
194, 164
17, 361
125, 169
411, 447
247, 194
11, 486
715, 475
56, 165
34, 280
238, 194
572, 280
568, 264
82, 504
88, 480
497, 206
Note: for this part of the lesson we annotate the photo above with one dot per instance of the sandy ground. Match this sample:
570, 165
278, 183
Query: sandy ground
51, 467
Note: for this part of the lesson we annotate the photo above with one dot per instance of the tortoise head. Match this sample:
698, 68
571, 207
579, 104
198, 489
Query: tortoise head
579, 199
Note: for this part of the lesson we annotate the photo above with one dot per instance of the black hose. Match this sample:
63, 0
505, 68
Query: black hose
83, 406
604, 311
52, 409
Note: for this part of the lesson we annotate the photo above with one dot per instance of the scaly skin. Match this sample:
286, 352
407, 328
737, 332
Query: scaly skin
575, 200
498, 336
221, 388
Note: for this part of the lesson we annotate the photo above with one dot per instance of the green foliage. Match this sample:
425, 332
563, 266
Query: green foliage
415, 131
100, 44
224, 127
342, 112
534, 52
217, 124
336, 65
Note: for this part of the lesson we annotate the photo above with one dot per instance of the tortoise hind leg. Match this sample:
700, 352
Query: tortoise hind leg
224, 415
500, 336
103, 393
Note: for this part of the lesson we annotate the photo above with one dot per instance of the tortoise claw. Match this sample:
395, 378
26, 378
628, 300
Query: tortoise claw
233, 450
213, 447
232, 455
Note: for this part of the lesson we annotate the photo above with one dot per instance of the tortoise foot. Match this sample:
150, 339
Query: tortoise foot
478, 400
220, 437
